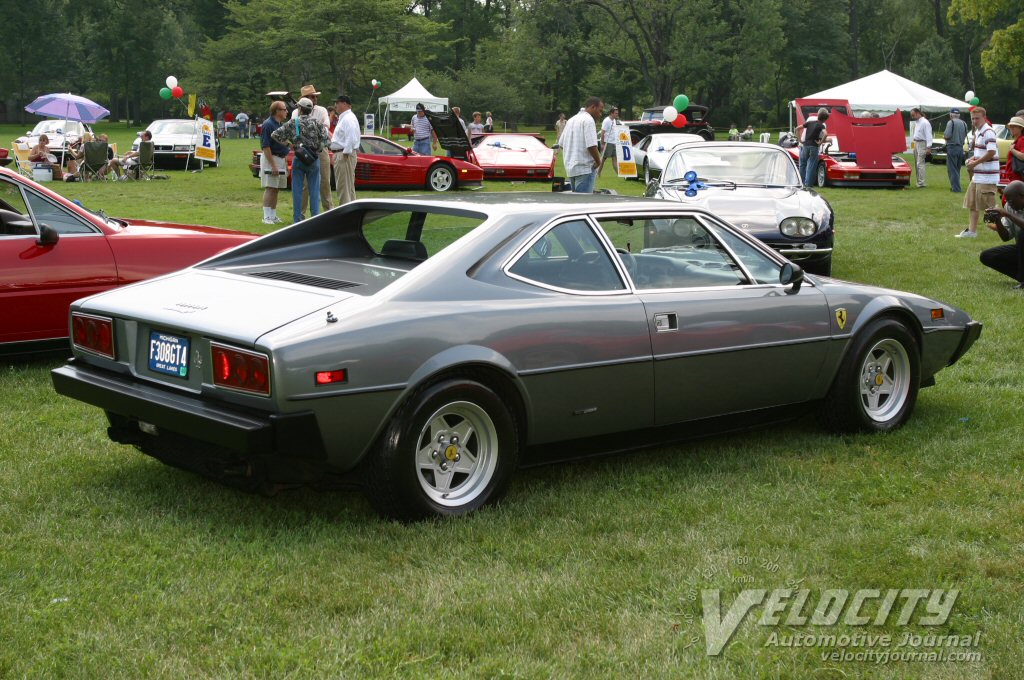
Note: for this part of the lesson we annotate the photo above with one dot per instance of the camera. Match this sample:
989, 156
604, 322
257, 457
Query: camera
992, 216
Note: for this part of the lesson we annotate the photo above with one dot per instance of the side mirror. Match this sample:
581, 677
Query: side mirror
48, 236
652, 189
791, 274
406, 150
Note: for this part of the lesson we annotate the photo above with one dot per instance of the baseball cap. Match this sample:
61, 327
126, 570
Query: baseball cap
957, 111
344, 98
304, 103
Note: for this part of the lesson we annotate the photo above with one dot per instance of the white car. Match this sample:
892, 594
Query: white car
60, 132
174, 143
653, 151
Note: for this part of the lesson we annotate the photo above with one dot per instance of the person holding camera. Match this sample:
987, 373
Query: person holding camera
1008, 222
308, 137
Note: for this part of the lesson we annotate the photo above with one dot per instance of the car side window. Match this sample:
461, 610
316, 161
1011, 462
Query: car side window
763, 268
57, 217
570, 256
14, 218
671, 252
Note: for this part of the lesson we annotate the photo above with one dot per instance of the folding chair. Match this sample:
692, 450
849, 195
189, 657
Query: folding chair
21, 152
94, 161
145, 159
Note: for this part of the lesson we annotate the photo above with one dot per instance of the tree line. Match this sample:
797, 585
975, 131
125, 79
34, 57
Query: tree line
524, 60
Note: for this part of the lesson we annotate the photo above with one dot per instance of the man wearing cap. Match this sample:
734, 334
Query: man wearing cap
608, 138
345, 144
422, 132
955, 134
320, 114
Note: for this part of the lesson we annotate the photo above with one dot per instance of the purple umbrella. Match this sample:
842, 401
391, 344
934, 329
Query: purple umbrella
67, 106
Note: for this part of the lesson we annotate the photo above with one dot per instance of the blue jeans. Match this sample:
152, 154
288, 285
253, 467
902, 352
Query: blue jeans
808, 164
301, 174
422, 147
583, 184
954, 163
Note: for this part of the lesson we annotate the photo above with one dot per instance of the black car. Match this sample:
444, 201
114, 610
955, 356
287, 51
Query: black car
653, 120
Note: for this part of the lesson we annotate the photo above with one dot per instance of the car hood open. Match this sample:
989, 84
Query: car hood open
228, 306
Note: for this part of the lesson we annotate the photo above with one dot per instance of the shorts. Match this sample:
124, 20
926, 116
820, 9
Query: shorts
980, 196
275, 177
609, 150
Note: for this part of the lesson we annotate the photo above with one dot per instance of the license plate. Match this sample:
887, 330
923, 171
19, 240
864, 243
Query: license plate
168, 354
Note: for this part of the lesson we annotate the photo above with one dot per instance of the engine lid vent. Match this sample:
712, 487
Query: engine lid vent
305, 279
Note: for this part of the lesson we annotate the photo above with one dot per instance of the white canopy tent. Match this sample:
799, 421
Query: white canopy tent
405, 99
886, 91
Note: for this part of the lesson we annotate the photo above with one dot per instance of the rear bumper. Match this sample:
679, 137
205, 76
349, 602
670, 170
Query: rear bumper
294, 435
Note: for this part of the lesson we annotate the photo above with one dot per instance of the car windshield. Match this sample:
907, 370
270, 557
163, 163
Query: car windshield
733, 163
49, 127
173, 127
509, 142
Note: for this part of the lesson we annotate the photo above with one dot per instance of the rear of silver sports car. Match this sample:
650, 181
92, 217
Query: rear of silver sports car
178, 368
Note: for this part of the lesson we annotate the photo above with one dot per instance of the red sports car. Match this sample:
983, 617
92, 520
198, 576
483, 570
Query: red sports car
859, 151
514, 156
383, 164
53, 251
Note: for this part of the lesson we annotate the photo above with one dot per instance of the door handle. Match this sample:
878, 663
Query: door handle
665, 322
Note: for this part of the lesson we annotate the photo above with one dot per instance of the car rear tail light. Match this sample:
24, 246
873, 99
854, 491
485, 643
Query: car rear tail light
93, 334
238, 369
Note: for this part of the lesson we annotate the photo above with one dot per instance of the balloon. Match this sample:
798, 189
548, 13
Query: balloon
969, 96
681, 102
376, 85
165, 93
680, 121
172, 82
975, 101
685, 121
670, 114
176, 92
374, 82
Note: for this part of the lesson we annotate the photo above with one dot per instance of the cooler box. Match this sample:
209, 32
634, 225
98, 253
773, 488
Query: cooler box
42, 173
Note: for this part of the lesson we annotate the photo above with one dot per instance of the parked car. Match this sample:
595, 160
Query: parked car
53, 251
652, 152
383, 164
174, 144
756, 187
652, 121
61, 133
424, 348
859, 151
511, 155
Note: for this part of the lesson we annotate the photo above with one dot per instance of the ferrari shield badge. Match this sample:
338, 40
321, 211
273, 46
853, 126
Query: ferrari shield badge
841, 318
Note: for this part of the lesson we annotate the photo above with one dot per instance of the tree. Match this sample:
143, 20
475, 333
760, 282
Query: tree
1005, 50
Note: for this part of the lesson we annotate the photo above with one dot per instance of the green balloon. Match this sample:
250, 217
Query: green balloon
681, 102
165, 93
975, 101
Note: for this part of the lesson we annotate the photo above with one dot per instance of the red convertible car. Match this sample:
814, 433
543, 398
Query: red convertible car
514, 156
53, 251
383, 164
858, 151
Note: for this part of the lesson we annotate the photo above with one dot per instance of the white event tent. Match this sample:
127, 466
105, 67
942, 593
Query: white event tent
405, 99
886, 91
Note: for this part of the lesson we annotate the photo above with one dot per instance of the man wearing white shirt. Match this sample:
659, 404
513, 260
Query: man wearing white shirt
922, 143
320, 114
579, 146
608, 138
345, 145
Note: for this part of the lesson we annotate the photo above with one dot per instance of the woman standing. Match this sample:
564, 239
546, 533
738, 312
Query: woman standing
1015, 157
311, 134
489, 123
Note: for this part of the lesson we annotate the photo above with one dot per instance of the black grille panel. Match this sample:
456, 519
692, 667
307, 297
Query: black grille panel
305, 279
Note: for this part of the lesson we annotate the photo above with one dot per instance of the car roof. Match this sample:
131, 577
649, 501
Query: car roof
500, 203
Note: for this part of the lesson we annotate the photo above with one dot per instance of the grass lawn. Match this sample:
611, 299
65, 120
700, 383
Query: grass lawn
115, 566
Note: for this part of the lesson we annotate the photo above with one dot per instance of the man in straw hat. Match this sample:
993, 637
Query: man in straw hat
320, 114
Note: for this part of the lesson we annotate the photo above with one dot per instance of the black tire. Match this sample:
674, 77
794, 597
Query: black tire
708, 135
647, 173
441, 177
884, 354
420, 471
821, 175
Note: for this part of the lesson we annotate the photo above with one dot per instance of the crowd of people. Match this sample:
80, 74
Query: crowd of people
78, 163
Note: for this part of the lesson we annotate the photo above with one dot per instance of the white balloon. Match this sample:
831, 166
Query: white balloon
172, 82
969, 96
670, 114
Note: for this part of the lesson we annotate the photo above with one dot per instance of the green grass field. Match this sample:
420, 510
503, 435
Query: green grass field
115, 566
